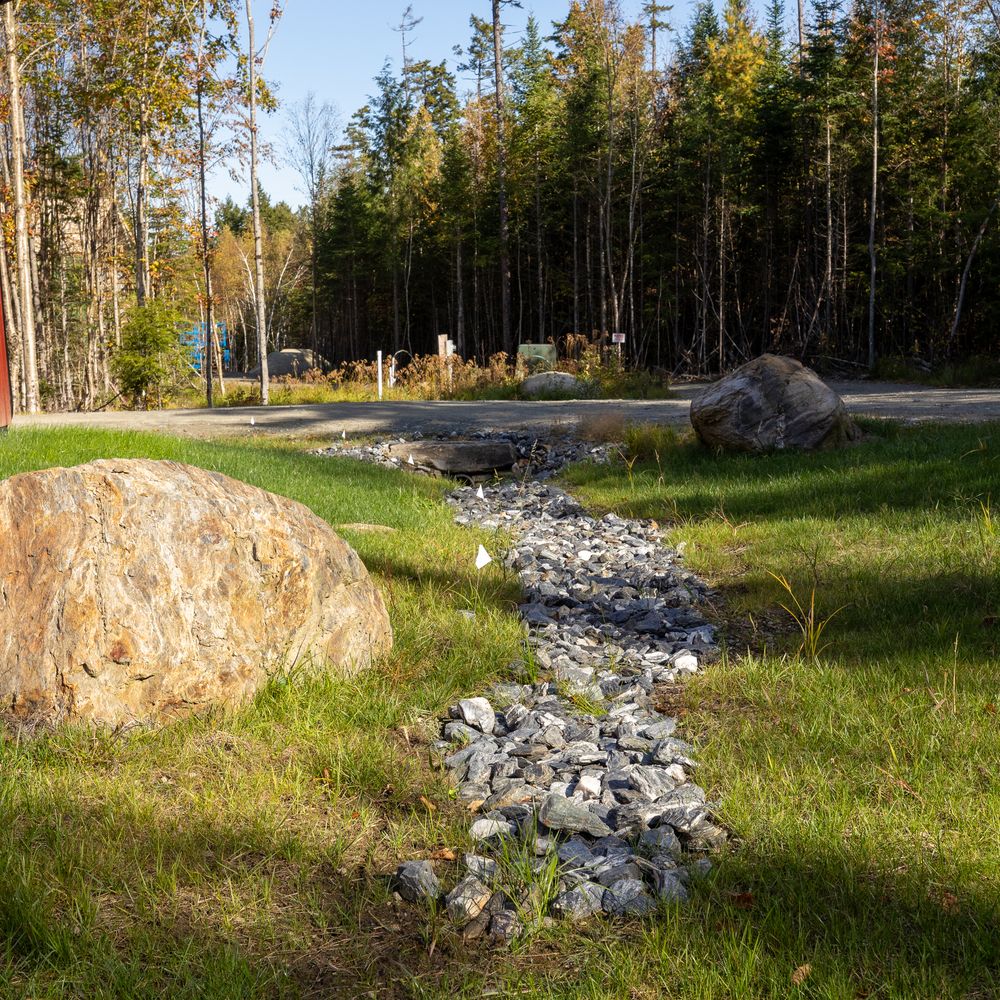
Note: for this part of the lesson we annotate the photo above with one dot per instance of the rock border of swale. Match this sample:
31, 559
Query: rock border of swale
584, 797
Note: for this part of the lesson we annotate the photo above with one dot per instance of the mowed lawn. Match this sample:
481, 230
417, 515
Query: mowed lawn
244, 854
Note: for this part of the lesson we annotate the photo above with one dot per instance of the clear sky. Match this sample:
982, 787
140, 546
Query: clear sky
336, 47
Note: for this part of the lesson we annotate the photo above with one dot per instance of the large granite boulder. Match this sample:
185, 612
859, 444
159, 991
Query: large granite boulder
771, 403
137, 591
554, 385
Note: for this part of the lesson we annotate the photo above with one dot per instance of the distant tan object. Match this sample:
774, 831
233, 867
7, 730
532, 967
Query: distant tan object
554, 384
368, 529
137, 591
769, 404
291, 361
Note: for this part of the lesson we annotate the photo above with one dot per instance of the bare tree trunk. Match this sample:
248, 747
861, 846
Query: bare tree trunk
459, 298
12, 322
576, 263
538, 251
828, 273
802, 31
206, 261
960, 301
142, 216
395, 303
873, 213
258, 252
506, 330
722, 277
29, 361
602, 268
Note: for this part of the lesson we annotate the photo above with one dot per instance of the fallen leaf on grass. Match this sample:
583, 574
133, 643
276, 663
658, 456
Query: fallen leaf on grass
444, 854
427, 804
742, 900
901, 784
949, 902
801, 974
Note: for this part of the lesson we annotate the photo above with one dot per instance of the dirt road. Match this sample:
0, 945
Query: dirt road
902, 402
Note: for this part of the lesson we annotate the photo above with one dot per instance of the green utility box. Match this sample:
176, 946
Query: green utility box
538, 356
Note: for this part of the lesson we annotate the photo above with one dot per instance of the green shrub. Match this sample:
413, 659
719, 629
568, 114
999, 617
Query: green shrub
151, 359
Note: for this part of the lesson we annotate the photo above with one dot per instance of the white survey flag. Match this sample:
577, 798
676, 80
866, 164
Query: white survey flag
410, 461
343, 435
480, 493
483, 559
252, 421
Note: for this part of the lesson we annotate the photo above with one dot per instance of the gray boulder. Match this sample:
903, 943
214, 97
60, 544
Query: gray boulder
456, 458
291, 361
771, 403
559, 384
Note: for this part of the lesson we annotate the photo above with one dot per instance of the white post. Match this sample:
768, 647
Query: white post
379, 374
392, 372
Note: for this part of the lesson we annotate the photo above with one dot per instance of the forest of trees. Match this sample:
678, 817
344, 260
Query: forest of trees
712, 189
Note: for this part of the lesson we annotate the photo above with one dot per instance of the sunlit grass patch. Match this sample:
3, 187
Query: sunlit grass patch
136, 863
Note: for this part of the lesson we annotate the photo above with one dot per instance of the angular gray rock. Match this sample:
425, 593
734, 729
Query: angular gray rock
415, 880
670, 888
769, 404
627, 897
483, 868
505, 927
467, 900
660, 840
580, 902
478, 713
560, 813
488, 829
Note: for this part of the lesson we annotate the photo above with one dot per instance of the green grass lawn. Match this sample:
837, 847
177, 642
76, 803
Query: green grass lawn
244, 855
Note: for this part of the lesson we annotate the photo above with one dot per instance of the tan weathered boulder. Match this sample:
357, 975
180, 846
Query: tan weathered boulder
771, 403
141, 590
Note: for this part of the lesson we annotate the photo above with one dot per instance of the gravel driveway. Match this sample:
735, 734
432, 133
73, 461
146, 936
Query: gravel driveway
902, 402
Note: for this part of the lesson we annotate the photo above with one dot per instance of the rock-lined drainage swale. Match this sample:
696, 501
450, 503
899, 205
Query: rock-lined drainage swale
584, 796
474, 457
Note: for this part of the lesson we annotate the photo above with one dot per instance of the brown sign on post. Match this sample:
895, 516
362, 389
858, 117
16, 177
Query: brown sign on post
6, 401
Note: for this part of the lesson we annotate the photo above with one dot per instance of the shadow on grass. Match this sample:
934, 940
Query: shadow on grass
866, 926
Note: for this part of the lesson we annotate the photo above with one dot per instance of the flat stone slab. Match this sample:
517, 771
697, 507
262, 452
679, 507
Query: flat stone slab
456, 458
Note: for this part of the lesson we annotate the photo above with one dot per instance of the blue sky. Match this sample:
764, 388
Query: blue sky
335, 48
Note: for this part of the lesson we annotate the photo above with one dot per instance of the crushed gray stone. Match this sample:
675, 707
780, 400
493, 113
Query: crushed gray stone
606, 793
416, 881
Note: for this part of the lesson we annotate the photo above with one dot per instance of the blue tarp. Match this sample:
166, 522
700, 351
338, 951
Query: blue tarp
194, 341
